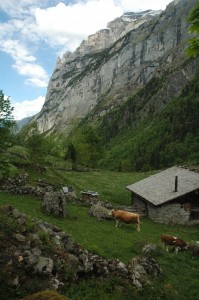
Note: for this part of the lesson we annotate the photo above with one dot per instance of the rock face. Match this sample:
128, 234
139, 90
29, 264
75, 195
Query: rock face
115, 63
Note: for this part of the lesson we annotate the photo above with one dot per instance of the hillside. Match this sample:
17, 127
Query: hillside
163, 138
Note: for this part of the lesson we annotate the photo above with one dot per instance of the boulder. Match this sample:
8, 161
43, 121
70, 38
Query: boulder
99, 211
54, 203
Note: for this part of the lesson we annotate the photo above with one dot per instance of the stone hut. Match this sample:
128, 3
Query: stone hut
170, 196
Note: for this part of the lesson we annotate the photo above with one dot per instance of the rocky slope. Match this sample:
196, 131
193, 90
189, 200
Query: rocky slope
38, 256
115, 63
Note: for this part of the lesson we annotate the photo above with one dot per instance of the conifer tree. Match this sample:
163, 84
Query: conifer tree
193, 48
6, 137
6, 121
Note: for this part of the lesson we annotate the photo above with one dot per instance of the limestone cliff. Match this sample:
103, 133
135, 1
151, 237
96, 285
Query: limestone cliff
114, 63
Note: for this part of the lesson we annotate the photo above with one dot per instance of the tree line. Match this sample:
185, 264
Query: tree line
82, 149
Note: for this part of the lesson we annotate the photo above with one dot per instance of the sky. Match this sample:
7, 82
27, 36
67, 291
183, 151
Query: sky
34, 33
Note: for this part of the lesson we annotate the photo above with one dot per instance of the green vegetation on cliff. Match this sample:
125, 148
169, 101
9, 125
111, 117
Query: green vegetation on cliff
160, 140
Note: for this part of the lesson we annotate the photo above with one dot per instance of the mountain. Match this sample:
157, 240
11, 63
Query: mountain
133, 84
22, 122
115, 63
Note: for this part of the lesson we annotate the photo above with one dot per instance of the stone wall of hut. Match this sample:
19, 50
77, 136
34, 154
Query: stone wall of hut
173, 213
138, 203
169, 213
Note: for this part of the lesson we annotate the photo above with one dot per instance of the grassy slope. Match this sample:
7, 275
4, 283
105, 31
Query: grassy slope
98, 235
111, 186
181, 271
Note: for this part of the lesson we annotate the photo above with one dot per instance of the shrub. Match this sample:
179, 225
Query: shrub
44, 237
45, 295
7, 225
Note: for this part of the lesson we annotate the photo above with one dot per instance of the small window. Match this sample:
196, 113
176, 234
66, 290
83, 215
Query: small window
187, 206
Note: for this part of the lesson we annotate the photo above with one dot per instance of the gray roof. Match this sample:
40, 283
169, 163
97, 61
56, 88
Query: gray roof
160, 188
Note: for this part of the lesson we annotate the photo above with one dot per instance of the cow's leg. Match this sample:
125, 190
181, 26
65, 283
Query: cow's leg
164, 246
176, 249
118, 223
138, 227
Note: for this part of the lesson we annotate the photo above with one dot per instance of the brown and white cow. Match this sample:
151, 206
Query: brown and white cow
125, 217
169, 240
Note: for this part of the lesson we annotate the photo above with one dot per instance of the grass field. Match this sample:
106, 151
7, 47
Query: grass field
181, 272
111, 186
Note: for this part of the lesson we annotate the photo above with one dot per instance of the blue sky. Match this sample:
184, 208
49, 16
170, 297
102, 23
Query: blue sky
34, 33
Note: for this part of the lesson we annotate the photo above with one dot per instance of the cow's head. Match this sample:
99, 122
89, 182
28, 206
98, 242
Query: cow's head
111, 212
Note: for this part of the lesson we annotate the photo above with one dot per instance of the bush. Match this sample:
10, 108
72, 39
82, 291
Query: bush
45, 295
7, 225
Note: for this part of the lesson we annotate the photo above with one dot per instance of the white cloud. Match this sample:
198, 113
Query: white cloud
16, 50
137, 5
65, 24
25, 63
36, 82
30, 69
70, 24
17, 8
27, 108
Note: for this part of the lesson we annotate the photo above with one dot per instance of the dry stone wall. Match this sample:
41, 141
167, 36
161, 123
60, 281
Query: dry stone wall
20, 185
169, 214
37, 250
